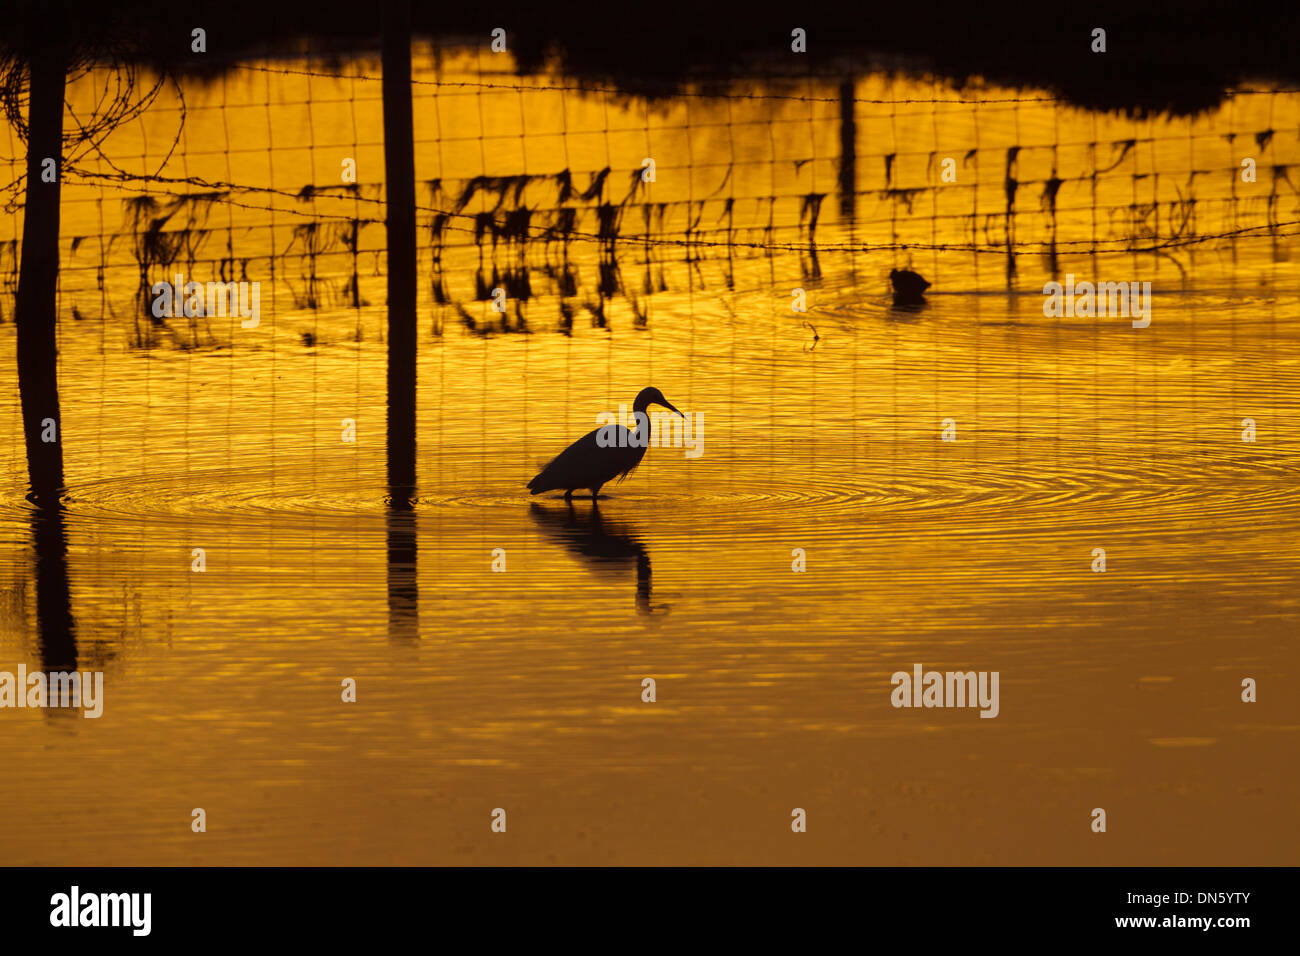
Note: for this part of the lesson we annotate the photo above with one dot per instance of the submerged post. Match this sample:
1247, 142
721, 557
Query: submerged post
55, 629
36, 303
399, 186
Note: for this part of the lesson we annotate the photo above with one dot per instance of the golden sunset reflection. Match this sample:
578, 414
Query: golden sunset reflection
821, 430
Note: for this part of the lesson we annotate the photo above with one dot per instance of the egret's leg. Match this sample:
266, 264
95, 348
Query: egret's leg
595, 493
568, 495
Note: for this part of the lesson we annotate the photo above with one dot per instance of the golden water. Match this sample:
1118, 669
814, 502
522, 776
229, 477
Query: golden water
822, 432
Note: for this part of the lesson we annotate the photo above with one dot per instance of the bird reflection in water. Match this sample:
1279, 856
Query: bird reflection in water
608, 546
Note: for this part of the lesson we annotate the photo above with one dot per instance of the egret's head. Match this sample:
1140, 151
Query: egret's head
652, 396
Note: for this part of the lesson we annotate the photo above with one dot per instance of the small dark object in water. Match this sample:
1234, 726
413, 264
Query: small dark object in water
308, 338
908, 286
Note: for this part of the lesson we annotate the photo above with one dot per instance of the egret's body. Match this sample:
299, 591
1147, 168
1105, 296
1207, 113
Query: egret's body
590, 462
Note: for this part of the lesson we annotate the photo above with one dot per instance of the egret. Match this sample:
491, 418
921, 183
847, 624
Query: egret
593, 460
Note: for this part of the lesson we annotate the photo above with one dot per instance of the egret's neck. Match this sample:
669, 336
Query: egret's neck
640, 408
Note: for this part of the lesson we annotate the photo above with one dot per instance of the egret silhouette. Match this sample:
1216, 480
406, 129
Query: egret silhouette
602, 455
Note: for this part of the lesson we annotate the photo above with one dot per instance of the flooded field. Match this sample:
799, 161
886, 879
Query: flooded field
877, 485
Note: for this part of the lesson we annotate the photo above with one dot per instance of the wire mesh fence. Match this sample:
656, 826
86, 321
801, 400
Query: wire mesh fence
569, 196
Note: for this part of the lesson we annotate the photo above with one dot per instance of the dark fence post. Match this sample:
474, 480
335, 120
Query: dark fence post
399, 185
36, 305
848, 149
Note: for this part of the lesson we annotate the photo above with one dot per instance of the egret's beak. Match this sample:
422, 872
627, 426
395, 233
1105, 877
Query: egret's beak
669, 405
